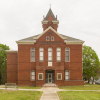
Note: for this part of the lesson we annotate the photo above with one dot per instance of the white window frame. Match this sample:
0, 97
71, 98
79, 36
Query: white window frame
57, 76
60, 53
39, 54
52, 37
69, 54
38, 76
32, 75
47, 38
31, 54
66, 75
48, 54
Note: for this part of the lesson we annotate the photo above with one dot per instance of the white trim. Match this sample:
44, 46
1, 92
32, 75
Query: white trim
13, 51
57, 76
73, 42
52, 30
30, 54
38, 76
48, 54
46, 38
43, 53
51, 38
31, 75
67, 75
56, 54
44, 22
65, 54
26, 42
55, 22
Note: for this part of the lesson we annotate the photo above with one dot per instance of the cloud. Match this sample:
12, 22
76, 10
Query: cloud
77, 18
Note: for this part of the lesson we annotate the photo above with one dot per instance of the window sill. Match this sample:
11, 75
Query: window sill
40, 80
32, 80
59, 80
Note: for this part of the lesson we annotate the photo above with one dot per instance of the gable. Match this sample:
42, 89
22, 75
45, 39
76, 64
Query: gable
53, 31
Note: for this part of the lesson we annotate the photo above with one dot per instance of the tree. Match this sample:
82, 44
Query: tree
90, 63
3, 63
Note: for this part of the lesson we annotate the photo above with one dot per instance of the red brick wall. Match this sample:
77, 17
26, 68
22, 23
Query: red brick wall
12, 67
25, 66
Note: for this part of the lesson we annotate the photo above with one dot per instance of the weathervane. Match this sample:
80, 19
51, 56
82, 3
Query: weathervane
50, 6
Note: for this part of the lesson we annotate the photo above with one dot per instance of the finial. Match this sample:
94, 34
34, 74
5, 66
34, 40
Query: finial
50, 6
56, 16
43, 17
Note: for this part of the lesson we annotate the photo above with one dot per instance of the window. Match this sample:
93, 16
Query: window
41, 54
66, 75
32, 75
66, 54
32, 54
49, 54
52, 38
47, 38
40, 76
58, 54
59, 76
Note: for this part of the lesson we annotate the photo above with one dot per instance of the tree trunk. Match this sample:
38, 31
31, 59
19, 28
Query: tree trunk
93, 80
88, 80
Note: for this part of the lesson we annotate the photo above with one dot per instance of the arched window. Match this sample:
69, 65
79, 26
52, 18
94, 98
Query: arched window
67, 54
52, 38
41, 54
58, 54
32, 54
47, 38
49, 54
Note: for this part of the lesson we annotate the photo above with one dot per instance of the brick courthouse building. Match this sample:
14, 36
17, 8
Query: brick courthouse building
49, 57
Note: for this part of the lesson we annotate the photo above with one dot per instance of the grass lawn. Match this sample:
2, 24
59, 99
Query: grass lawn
28, 87
86, 87
20, 95
79, 95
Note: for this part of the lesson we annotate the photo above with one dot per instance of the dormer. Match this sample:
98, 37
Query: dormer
50, 20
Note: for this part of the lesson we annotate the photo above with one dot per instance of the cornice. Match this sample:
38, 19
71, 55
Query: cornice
44, 22
26, 42
11, 51
55, 22
73, 42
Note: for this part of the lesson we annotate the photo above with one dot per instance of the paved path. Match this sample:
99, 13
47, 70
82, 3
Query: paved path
49, 93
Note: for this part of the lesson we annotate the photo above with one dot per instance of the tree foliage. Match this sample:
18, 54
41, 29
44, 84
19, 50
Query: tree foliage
90, 63
3, 63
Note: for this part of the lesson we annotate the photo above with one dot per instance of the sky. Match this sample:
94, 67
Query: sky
79, 19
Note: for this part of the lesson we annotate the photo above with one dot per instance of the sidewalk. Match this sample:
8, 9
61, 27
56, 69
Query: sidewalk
50, 93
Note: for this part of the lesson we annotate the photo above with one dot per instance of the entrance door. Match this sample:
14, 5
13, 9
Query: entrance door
49, 77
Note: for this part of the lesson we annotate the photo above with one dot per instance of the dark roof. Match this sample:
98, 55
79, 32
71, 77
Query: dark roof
29, 38
68, 38
50, 12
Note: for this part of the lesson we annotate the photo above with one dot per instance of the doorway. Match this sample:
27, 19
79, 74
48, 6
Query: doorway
49, 76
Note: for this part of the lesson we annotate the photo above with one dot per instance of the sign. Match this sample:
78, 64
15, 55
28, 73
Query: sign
49, 32
49, 42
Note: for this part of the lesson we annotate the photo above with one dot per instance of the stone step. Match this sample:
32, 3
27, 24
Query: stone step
50, 85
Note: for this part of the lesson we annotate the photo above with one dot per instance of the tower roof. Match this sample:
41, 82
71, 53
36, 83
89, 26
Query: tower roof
50, 12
